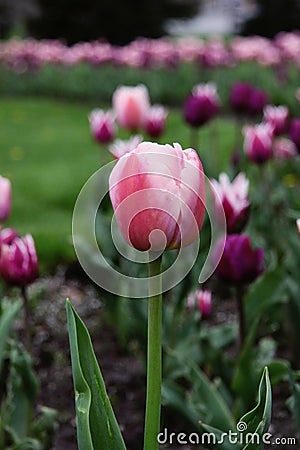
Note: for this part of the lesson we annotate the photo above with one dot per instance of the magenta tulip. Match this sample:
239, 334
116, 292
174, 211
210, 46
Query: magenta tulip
240, 263
158, 194
102, 125
258, 142
156, 121
277, 117
18, 261
202, 105
232, 199
294, 131
131, 106
5, 198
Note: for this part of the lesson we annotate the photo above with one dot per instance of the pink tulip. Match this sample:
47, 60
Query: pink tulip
202, 300
156, 121
5, 198
18, 261
233, 199
131, 106
204, 303
284, 148
102, 125
258, 142
120, 147
277, 117
158, 194
7, 235
298, 225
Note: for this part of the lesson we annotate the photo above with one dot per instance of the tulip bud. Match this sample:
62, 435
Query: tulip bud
131, 106
202, 105
240, 263
18, 261
103, 126
284, 148
277, 117
294, 132
5, 198
119, 147
158, 194
258, 142
204, 303
233, 199
156, 121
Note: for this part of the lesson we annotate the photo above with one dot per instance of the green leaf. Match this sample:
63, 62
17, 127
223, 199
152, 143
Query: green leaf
246, 378
216, 411
97, 428
258, 419
256, 422
268, 291
217, 439
9, 312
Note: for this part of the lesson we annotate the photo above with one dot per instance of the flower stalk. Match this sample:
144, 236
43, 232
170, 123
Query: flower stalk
154, 358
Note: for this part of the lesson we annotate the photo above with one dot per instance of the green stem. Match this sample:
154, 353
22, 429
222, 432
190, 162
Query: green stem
241, 316
153, 396
26, 319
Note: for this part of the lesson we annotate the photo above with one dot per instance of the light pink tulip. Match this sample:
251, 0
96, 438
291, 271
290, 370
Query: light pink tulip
5, 198
277, 117
298, 224
131, 106
158, 194
120, 147
18, 261
232, 200
284, 148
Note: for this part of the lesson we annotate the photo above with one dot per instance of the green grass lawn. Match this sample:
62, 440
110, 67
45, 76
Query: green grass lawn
48, 154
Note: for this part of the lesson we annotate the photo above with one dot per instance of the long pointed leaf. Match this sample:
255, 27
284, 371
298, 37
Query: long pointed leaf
9, 312
97, 428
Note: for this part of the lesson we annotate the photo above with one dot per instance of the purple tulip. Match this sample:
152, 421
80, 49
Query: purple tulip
294, 131
103, 125
239, 97
258, 99
258, 142
155, 121
5, 198
202, 105
240, 263
18, 261
232, 198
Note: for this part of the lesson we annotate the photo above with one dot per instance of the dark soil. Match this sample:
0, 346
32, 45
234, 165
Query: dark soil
122, 370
